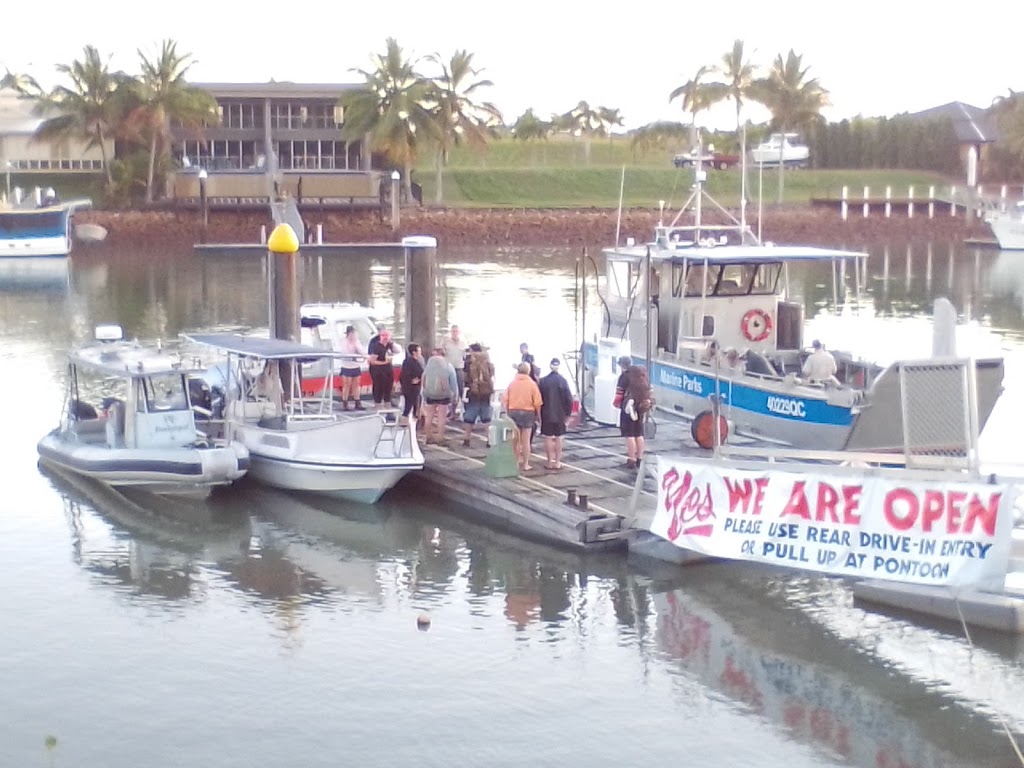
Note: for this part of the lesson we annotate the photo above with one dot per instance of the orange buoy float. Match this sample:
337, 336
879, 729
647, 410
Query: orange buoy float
703, 429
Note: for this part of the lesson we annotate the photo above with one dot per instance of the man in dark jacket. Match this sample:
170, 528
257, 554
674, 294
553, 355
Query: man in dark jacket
411, 379
554, 413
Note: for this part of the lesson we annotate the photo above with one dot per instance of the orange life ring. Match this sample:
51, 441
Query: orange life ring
756, 325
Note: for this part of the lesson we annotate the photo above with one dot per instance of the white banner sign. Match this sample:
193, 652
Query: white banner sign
938, 532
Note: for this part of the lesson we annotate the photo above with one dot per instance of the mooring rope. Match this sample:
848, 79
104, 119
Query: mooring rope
999, 715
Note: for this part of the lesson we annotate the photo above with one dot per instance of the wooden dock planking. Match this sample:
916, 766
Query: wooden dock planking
534, 504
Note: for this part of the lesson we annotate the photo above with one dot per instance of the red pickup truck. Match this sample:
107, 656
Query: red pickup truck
709, 159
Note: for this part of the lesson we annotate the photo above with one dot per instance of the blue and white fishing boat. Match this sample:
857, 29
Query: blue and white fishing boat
129, 421
708, 309
38, 226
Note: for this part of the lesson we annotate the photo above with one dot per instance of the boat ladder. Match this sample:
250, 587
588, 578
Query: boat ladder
391, 432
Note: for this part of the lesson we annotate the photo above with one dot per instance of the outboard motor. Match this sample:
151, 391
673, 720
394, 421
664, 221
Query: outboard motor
200, 394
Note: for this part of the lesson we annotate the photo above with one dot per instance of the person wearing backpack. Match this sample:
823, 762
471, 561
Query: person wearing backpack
479, 377
633, 397
439, 388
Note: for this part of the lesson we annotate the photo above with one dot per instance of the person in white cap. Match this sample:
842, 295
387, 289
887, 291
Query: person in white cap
554, 413
819, 365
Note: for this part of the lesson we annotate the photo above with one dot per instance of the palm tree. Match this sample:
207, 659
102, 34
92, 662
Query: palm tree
85, 109
389, 112
165, 95
697, 96
1008, 112
588, 123
793, 98
457, 118
739, 76
658, 136
530, 128
25, 85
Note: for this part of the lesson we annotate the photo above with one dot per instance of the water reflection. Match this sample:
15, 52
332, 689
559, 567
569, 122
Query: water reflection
527, 643
764, 656
147, 545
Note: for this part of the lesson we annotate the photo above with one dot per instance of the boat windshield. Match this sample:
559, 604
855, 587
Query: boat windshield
162, 393
732, 279
22, 225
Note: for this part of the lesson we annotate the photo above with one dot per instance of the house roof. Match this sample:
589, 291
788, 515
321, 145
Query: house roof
972, 124
16, 116
276, 88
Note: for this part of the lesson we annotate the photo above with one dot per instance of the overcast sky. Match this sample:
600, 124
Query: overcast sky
876, 57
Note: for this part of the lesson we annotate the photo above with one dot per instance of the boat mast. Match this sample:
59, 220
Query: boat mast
699, 186
743, 184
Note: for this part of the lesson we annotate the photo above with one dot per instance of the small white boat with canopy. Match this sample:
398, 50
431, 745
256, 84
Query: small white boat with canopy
128, 421
296, 438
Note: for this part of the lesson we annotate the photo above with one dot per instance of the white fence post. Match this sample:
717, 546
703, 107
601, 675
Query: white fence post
952, 201
888, 202
867, 205
910, 203
844, 206
1002, 198
931, 201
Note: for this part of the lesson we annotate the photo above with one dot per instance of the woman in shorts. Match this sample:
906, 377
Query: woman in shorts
351, 369
522, 401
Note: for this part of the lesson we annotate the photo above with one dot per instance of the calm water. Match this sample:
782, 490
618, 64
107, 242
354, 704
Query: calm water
277, 629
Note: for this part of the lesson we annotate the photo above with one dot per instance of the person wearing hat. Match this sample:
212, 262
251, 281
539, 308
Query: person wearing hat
630, 427
351, 369
555, 411
819, 365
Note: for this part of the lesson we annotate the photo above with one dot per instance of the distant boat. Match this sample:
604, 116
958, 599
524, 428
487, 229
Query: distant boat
784, 146
1008, 227
90, 233
41, 226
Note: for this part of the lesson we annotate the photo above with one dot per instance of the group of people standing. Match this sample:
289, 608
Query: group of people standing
457, 375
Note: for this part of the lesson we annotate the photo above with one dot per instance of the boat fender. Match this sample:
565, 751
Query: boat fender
756, 325
702, 429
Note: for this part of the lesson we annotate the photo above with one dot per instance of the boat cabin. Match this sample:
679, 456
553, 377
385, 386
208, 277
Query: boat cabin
679, 299
128, 396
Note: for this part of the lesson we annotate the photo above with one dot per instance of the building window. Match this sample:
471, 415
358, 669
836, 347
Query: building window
324, 115
287, 115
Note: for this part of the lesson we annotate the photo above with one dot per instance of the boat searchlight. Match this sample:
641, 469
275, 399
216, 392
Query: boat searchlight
109, 332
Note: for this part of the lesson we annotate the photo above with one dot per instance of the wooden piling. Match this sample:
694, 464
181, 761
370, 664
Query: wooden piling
420, 290
283, 251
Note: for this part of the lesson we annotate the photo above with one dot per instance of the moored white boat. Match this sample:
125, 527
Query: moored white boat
37, 227
323, 325
708, 310
144, 434
90, 233
784, 148
296, 439
1008, 227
